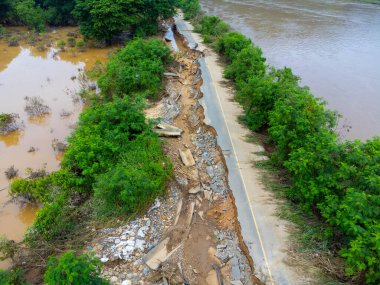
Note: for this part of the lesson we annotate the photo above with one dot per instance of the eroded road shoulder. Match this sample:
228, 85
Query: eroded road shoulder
188, 237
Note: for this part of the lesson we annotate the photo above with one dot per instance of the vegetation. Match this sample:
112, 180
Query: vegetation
8, 123
102, 20
138, 68
337, 181
12, 277
75, 270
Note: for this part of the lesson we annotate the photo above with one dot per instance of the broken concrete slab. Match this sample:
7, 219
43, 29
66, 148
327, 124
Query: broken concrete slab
167, 130
187, 157
157, 255
171, 74
195, 190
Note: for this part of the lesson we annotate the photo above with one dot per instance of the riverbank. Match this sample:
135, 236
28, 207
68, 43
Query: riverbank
302, 142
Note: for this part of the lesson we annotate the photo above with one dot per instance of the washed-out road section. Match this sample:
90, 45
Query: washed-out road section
264, 234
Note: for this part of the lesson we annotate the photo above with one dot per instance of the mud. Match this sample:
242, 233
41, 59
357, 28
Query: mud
52, 76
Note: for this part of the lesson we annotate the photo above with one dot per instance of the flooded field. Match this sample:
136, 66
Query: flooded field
51, 75
333, 45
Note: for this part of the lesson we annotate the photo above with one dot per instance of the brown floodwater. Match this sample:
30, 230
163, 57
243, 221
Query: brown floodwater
24, 71
333, 45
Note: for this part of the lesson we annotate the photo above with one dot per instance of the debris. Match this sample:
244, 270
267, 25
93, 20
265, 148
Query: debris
218, 274
167, 130
104, 259
195, 190
190, 212
187, 157
171, 74
11, 172
58, 146
159, 254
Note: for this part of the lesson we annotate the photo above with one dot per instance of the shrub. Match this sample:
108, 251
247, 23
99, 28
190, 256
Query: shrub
61, 44
100, 138
30, 14
249, 63
8, 123
75, 270
294, 118
231, 44
12, 277
80, 45
212, 27
136, 68
137, 180
190, 8
13, 41
71, 42
53, 221
259, 93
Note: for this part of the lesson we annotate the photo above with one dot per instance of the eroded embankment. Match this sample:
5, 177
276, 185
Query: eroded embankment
192, 236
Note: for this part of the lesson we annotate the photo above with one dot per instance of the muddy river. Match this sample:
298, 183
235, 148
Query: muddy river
53, 76
333, 45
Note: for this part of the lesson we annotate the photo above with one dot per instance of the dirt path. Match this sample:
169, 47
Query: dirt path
191, 236
266, 235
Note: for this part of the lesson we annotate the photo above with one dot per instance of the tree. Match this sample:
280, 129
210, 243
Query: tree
31, 15
104, 19
5, 6
58, 11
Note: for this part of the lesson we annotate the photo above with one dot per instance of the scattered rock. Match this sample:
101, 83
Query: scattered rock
187, 157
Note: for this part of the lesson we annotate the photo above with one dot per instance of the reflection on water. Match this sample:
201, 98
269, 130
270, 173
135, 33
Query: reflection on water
50, 76
333, 45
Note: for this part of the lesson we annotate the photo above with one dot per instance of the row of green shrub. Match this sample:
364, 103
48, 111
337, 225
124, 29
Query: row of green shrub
114, 163
100, 20
336, 180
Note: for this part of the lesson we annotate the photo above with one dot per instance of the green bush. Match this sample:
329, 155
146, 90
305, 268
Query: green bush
103, 132
74, 270
249, 63
296, 117
12, 277
190, 8
137, 68
53, 221
42, 189
31, 15
231, 44
211, 28
137, 180
259, 92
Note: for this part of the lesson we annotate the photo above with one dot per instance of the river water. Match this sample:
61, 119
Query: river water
334, 46
52, 76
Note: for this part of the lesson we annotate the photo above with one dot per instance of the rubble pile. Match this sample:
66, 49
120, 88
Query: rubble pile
121, 249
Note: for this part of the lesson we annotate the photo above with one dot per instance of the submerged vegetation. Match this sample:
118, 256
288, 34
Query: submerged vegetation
338, 181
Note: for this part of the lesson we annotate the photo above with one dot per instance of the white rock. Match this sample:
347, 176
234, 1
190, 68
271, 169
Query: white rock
131, 242
114, 279
117, 241
126, 282
140, 244
104, 259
